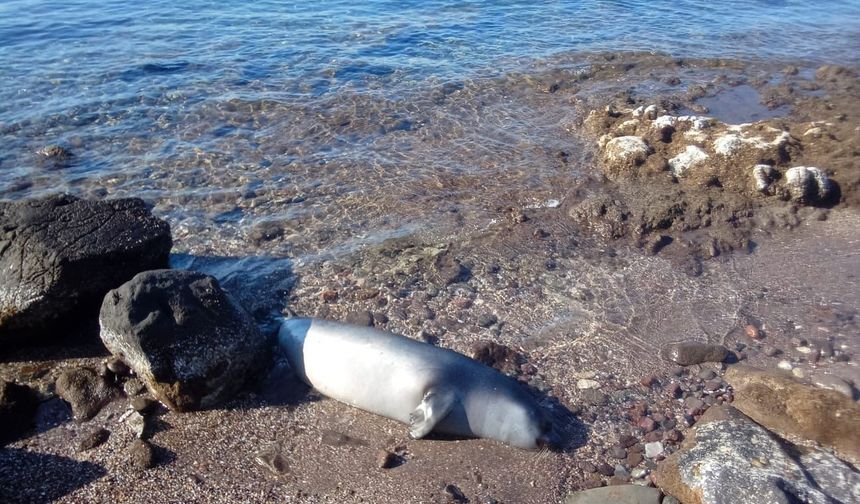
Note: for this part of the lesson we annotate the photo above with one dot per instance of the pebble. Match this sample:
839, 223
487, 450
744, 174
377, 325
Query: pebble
687, 353
133, 387
648, 380
784, 364
583, 384
360, 318
455, 494
634, 459
144, 405
647, 424
92, 438
654, 449
141, 454
487, 319
594, 397
627, 440
673, 390
640, 472
753, 332
588, 467
653, 436
693, 404
605, 469
618, 452
707, 374
385, 459
136, 422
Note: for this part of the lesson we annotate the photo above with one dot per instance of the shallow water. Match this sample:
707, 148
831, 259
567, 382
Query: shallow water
226, 116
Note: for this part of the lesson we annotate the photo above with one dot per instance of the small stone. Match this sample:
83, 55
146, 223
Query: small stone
594, 397
144, 405
587, 467
92, 438
385, 459
360, 318
133, 387
273, 459
118, 367
753, 332
605, 469
85, 391
141, 454
673, 390
707, 374
136, 422
584, 384
688, 353
653, 436
634, 459
329, 296
487, 320
455, 494
713, 385
648, 380
640, 472
807, 184
786, 365
693, 404
627, 440
653, 450
618, 452
647, 424
673, 436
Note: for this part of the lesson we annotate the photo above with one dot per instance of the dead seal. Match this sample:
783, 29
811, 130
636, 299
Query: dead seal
427, 387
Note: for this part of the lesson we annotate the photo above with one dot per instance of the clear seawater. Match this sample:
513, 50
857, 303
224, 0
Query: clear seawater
200, 107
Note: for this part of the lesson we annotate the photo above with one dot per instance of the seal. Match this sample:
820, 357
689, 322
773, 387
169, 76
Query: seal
427, 387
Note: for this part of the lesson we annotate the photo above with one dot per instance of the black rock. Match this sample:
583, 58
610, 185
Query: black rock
455, 494
85, 391
62, 254
141, 454
594, 397
92, 438
487, 320
360, 318
17, 410
188, 340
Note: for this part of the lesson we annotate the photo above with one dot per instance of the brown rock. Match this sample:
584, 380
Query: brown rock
85, 391
790, 408
141, 454
385, 459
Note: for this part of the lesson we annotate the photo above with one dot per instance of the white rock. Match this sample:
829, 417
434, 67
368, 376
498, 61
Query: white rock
664, 121
699, 122
583, 384
638, 111
807, 184
727, 145
764, 175
798, 372
653, 449
784, 364
650, 112
627, 149
689, 158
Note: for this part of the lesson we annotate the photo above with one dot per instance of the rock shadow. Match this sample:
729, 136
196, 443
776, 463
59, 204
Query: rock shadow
41, 478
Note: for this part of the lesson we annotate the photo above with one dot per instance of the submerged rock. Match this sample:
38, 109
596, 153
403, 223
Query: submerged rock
728, 458
85, 391
619, 494
687, 353
60, 252
190, 343
791, 408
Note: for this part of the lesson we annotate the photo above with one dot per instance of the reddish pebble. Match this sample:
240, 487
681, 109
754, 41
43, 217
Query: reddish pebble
329, 296
647, 424
653, 436
753, 331
634, 459
673, 390
673, 436
648, 381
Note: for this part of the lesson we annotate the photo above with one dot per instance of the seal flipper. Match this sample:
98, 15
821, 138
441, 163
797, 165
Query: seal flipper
434, 407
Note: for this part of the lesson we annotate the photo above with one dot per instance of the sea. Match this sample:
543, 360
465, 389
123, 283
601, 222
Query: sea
354, 121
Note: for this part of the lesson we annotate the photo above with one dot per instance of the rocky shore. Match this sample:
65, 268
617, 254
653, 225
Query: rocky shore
731, 378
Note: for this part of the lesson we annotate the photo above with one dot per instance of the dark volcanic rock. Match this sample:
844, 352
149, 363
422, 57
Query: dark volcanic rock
687, 353
498, 356
190, 343
60, 252
17, 409
85, 390
141, 454
92, 438
728, 458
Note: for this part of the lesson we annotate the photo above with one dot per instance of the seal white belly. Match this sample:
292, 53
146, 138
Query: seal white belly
430, 388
